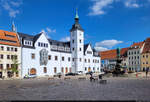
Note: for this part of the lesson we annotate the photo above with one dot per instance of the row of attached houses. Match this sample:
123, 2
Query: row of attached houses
42, 56
134, 58
108, 58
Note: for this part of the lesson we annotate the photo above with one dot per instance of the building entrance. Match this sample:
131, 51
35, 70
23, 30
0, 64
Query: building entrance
33, 71
89, 69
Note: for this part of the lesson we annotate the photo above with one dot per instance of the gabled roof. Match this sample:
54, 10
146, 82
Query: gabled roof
112, 54
34, 39
9, 38
146, 48
85, 47
26, 36
137, 45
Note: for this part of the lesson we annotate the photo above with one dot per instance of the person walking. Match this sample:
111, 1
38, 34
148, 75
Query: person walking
147, 70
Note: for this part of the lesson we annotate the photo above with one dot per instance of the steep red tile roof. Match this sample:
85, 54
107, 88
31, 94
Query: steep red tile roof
9, 38
112, 54
139, 44
146, 48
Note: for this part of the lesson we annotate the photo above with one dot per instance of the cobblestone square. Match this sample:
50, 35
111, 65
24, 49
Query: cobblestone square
73, 89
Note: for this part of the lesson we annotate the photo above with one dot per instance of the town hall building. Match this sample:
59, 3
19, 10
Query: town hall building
43, 56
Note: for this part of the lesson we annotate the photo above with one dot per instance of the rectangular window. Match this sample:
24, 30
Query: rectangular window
56, 58
72, 41
45, 70
55, 70
1, 66
85, 60
12, 56
72, 49
8, 56
46, 45
80, 40
2, 48
80, 59
80, 49
1, 56
89, 60
62, 69
39, 44
16, 49
85, 68
33, 56
73, 59
7, 66
63, 58
12, 48
8, 49
68, 59
49, 57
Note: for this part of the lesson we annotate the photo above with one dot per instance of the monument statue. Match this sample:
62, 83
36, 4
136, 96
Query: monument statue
117, 71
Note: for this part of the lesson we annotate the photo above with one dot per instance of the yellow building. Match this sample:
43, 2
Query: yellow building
10, 55
145, 56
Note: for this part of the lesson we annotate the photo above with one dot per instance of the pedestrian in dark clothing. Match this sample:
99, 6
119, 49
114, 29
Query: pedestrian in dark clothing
100, 77
147, 69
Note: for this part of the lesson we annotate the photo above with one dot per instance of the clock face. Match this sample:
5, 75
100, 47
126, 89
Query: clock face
43, 57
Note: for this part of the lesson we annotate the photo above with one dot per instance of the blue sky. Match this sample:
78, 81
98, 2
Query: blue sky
108, 24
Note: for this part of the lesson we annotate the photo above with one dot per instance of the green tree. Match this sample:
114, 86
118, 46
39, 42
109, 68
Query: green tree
15, 64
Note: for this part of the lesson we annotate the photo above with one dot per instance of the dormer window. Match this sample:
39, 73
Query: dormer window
28, 43
42, 44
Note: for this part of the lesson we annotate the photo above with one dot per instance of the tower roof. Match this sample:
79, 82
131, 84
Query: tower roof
76, 25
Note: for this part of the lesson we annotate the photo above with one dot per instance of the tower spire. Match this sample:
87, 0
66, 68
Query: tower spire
13, 27
76, 17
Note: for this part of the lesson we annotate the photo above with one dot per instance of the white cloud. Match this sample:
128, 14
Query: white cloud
98, 7
101, 48
11, 7
106, 44
16, 4
49, 30
65, 39
131, 4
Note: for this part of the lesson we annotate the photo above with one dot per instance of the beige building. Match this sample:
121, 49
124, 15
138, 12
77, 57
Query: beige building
145, 56
10, 55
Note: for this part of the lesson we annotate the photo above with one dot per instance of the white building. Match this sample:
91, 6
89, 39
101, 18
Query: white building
134, 56
43, 56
